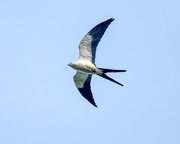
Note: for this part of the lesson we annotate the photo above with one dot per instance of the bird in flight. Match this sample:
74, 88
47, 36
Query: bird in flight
85, 66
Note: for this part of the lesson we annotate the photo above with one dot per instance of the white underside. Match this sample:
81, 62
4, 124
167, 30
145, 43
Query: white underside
85, 67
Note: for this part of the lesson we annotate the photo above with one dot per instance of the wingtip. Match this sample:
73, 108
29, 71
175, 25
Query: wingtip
95, 106
112, 19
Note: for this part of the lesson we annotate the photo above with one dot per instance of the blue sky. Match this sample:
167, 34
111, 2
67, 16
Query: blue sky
39, 102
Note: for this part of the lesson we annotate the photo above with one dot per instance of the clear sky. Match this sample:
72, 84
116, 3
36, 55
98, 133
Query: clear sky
39, 103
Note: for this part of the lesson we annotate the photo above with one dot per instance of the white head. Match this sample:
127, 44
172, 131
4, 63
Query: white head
70, 64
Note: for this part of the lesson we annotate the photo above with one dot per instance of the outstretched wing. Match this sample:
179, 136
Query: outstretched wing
82, 82
87, 46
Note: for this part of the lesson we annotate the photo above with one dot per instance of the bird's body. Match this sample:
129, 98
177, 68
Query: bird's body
85, 66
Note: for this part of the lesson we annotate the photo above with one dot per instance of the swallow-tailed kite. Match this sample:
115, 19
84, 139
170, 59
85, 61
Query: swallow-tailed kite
85, 66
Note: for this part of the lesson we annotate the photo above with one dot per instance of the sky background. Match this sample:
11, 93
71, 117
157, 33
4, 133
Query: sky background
39, 103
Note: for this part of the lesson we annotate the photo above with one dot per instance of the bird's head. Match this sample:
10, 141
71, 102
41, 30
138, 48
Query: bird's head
70, 64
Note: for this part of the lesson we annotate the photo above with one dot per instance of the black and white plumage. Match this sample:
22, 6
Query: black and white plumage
85, 66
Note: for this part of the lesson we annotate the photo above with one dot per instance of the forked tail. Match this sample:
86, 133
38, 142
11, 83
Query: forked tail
107, 77
111, 70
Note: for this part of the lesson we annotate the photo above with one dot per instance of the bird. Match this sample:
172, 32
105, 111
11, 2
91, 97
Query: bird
85, 66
